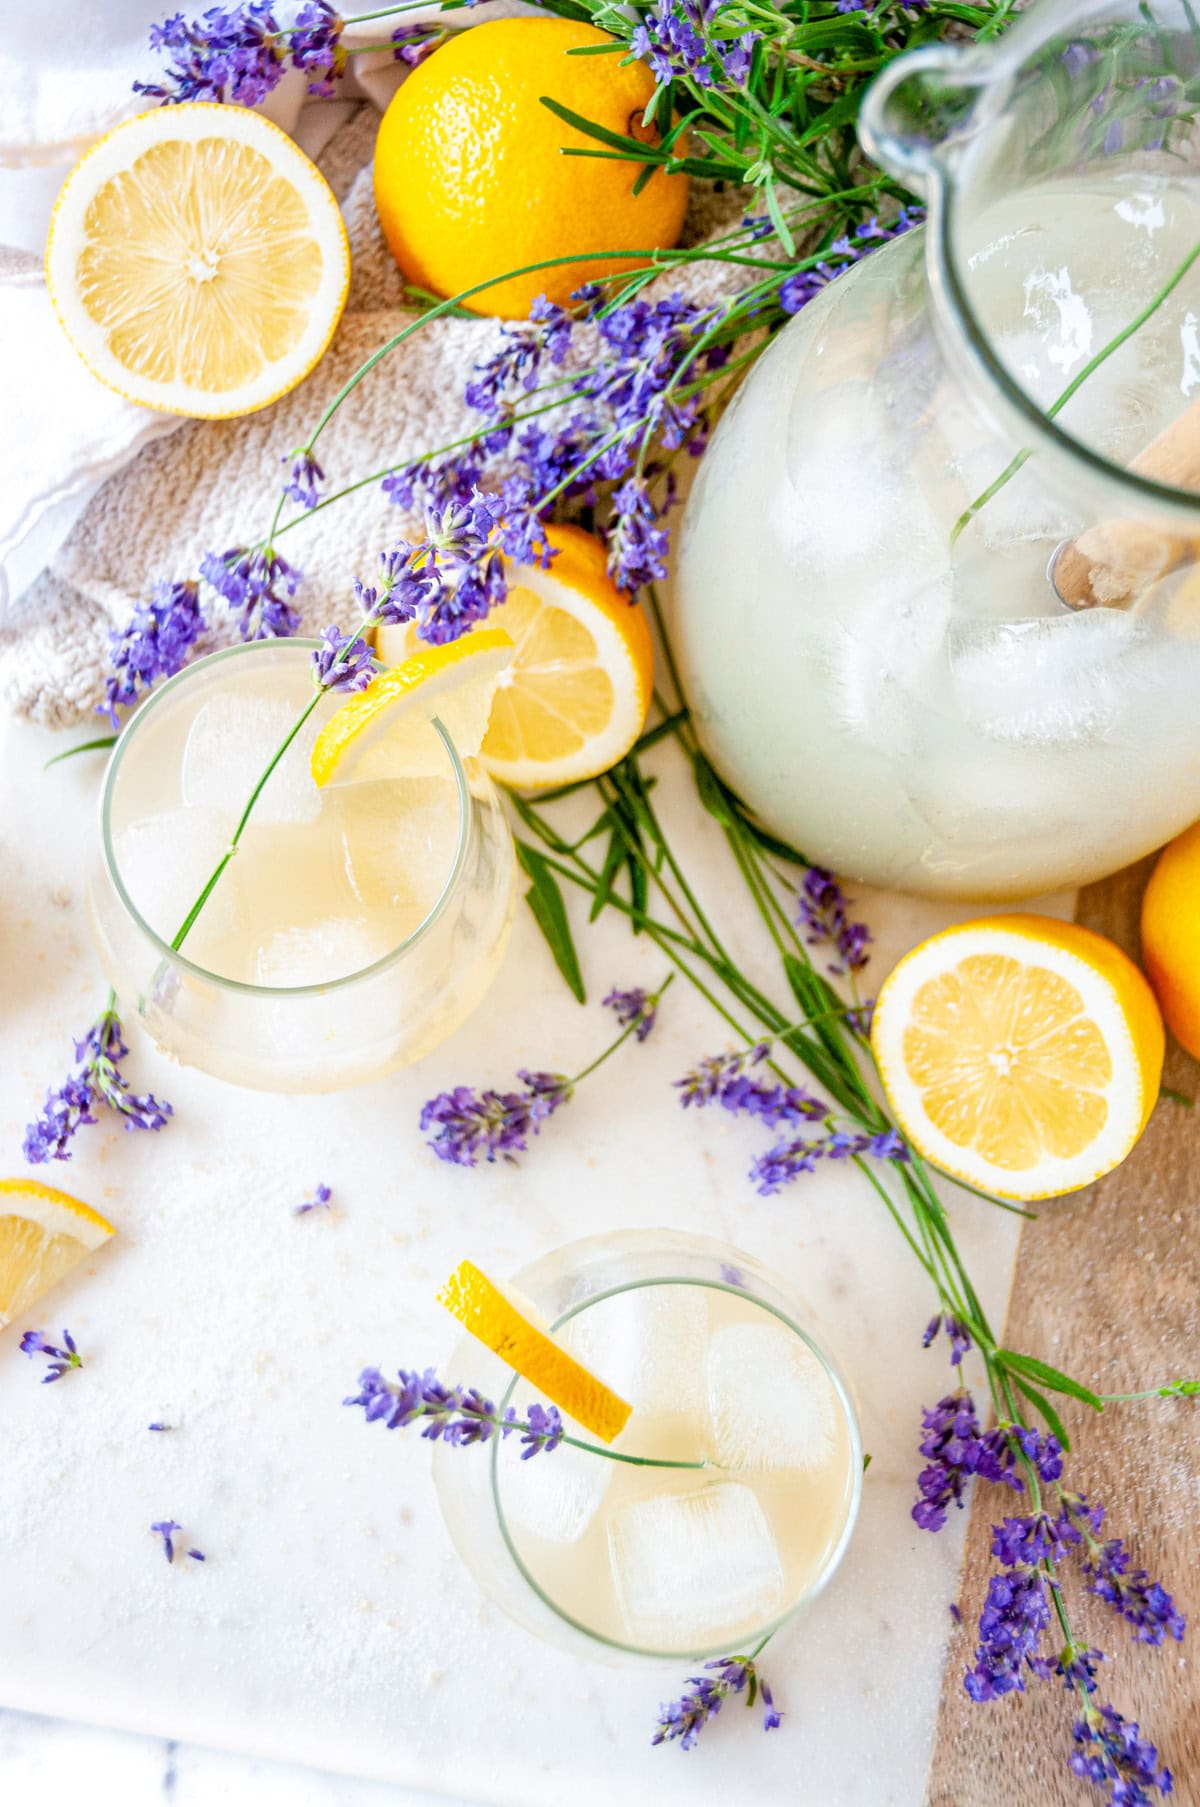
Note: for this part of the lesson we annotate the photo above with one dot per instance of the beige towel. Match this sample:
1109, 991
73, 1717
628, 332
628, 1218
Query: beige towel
213, 484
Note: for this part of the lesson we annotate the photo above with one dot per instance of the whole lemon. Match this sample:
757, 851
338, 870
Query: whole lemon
470, 180
1171, 936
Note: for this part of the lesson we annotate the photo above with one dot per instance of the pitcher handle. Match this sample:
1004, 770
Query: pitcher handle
916, 105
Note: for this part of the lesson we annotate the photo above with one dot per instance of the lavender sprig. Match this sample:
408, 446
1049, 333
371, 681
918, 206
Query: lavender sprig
684, 1719
634, 1009
97, 1081
822, 910
342, 661
166, 1529
727, 1080
495, 1125
60, 1361
1144, 1604
459, 1416
241, 53
1111, 1752
469, 1126
304, 476
156, 643
258, 585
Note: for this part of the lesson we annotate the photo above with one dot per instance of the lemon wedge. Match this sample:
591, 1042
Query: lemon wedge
383, 731
197, 260
1020, 1053
43, 1235
577, 693
512, 1328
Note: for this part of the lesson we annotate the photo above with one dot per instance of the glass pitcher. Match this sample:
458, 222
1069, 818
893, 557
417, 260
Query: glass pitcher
937, 612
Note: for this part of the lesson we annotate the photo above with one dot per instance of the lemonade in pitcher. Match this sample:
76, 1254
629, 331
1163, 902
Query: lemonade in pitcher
903, 619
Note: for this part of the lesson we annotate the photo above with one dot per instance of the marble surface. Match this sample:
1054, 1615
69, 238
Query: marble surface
332, 1624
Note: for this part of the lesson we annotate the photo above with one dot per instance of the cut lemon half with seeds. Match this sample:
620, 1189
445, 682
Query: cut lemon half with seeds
383, 731
43, 1235
513, 1329
576, 695
197, 260
1020, 1053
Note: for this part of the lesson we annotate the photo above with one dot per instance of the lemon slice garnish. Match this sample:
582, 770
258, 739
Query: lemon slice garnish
576, 695
511, 1327
383, 731
1021, 1053
43, 1235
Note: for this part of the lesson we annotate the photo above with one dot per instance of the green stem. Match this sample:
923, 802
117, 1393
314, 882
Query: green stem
629, 1029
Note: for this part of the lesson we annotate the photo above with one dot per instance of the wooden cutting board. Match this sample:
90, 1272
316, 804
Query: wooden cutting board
1106, 1287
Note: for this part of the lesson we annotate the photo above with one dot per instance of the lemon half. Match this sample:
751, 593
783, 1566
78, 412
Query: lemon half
1020, 1053
197, 260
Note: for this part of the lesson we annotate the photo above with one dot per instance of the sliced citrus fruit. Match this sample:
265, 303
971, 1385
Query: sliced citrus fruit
577, 693
383, 731
1020, 1053
43, 1235
513, 1329
197, 260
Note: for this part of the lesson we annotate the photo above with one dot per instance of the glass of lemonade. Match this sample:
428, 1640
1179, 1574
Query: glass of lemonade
620, 1560
356, 926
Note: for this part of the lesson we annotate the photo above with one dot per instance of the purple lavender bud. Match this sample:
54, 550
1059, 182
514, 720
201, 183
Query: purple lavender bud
98, 1080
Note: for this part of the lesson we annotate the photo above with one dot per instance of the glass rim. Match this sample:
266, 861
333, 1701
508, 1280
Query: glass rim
242, 987
837, 1551
952, 301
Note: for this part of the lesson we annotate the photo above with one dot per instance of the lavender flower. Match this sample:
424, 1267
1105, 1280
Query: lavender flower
60, 1362
240, 53
454, 576
160, 1427
685, 1719
256, 585
1033, 1541
822, 910
1014, 1617
637, 544
459, 1416
303, 477
155, 644
797, 290
1145, 1604
516, 365
722, 1079
956, 1447
413, 43
342, 661
97, 1080
316, 46
960, 1339
230, 52
166, 1529
787, 1160
675, 38
319, 1201
634, 1006
468, 1124
1109, 1749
